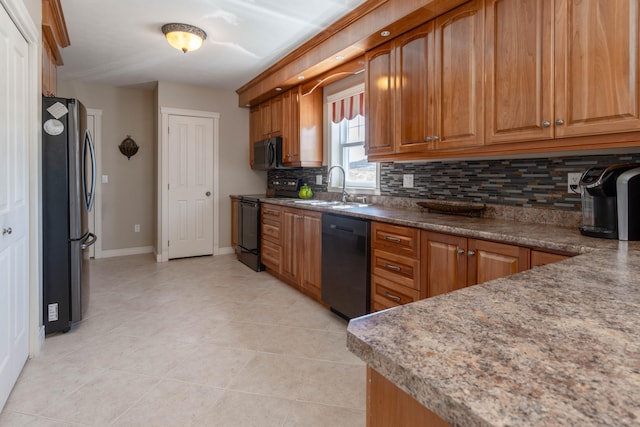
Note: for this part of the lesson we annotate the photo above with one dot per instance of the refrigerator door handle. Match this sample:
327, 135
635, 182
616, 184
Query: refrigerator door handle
89, 197
88, 241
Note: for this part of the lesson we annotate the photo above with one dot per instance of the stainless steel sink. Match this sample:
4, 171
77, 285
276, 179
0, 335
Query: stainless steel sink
348, 205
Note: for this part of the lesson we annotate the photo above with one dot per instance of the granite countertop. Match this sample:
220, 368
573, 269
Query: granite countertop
542, 236
554, 345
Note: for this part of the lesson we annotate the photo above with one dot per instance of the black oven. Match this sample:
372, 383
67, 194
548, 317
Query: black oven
249, 231
248, 249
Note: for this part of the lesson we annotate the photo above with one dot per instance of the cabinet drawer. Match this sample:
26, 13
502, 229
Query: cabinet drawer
397, 239
400, 269
271, 255
271, 232
386, 294
271, 212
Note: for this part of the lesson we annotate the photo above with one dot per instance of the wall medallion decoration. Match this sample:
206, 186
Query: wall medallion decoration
128, 147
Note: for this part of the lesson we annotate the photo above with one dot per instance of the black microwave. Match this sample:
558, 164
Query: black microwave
267, 154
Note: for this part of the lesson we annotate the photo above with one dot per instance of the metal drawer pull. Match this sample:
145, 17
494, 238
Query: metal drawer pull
393, 297
392, 267
392, 239
460, 251
471, 253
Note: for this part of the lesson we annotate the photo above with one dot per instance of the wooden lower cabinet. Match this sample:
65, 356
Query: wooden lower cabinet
271, 237
389, 406
445, 262
453, 262
302, 250
490, 260
395, 265
540, 258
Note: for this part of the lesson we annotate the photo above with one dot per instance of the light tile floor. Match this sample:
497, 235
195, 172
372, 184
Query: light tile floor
193, 342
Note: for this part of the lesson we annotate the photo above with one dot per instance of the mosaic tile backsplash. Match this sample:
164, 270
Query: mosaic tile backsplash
539, 182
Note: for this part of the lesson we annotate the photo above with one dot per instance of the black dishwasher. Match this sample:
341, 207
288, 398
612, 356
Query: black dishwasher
346, 285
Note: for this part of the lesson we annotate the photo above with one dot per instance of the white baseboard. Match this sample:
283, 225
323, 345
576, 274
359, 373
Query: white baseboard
127, 251
226, 251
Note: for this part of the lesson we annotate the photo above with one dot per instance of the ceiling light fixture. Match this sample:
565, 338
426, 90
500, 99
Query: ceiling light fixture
184, 37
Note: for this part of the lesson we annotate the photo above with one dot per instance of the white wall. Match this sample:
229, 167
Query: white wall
128, 197
236, 176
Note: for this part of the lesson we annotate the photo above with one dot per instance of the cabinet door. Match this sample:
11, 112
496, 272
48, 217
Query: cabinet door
265, 120
597, 67
309, 111
290, 248
539, 258
414, 98
275, 107
519, 70
445, 263
491, 260
459, 74
379, 100
290, 128
312, 254
255, 130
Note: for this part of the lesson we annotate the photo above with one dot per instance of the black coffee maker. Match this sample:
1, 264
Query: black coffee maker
598, 187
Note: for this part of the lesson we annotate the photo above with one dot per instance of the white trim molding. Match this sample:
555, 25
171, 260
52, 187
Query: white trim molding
110, 253
162, 253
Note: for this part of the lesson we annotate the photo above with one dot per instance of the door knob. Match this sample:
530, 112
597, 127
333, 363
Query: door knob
208, 194
471, 253
460, 251
546, 124
7, 231
559, 122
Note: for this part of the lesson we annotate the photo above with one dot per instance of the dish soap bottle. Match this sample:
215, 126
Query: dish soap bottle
305, 192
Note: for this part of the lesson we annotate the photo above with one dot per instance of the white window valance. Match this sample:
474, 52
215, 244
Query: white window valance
347, 108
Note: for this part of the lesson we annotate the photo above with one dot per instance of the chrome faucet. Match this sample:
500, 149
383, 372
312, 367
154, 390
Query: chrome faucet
344, 181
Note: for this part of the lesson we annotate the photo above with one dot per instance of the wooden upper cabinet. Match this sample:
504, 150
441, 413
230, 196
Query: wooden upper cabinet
255, 131
54, 38
297, 118
459, 77
269, 119
290, 127
379, 100
307, 111
597, 67
519, 70
414, 91
275, 106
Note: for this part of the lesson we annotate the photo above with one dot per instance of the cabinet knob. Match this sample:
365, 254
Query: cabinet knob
471, 253
289, 155
7, 231
436, 138
460, 251
559, 122
546, 124
428, 139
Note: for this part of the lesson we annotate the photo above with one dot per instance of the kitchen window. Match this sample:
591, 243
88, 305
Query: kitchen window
346, 135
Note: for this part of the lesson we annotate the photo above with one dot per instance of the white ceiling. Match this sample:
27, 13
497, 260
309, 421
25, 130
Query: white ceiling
119, 42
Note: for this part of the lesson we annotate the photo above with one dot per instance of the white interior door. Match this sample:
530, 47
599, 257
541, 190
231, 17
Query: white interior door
14, 205
190, 186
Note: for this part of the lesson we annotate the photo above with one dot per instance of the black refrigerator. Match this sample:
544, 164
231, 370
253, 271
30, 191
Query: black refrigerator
68, 188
